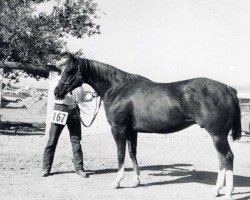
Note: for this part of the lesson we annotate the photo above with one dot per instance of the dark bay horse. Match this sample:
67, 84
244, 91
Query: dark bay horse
135, 104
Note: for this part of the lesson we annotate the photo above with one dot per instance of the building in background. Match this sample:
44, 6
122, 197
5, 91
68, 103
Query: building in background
244, 100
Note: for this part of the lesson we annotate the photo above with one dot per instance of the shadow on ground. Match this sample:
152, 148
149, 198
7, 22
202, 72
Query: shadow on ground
182, 175
62, 172
204, 177
242, 193
144, 168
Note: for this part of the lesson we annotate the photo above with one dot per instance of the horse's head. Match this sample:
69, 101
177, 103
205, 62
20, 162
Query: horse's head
71, 77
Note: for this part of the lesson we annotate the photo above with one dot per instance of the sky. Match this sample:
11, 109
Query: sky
171, 40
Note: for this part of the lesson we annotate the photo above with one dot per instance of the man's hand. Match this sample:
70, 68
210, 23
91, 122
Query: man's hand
88, 96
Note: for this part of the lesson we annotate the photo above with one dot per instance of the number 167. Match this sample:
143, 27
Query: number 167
59, 117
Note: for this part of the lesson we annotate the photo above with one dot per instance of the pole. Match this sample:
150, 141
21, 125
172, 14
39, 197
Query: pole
1, 85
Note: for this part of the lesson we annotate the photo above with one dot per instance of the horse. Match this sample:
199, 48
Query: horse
135, 104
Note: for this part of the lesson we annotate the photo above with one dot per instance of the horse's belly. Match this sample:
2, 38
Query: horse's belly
154, 125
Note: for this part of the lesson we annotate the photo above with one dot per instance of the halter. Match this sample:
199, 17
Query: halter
71, 79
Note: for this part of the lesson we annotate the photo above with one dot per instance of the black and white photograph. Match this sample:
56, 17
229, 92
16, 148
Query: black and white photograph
120, 100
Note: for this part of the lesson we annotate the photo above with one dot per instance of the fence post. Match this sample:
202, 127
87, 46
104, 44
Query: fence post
1, 85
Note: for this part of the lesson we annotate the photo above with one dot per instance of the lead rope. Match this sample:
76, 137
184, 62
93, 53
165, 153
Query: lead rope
97, 108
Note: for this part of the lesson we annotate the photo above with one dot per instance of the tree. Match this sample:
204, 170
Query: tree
31, 38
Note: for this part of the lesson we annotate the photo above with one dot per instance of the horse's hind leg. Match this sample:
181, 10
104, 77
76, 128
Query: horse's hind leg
119, 134
132, 145
226, 158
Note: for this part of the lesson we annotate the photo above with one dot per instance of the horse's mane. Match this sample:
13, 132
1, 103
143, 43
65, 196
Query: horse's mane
106, 71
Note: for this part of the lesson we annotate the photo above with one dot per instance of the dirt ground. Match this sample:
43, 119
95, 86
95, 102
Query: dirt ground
177, 166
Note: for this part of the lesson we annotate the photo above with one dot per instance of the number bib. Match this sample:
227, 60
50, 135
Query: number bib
59, 117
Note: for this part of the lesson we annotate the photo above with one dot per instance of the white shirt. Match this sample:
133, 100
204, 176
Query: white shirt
77, 94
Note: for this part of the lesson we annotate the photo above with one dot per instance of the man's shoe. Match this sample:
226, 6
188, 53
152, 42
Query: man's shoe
82, 173
45, 173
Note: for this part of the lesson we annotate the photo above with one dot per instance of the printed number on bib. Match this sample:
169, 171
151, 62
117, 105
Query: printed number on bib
59, 117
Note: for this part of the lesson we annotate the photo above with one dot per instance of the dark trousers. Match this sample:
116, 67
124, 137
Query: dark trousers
74, 126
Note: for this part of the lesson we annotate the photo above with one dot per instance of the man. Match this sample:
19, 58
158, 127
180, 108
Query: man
64, 106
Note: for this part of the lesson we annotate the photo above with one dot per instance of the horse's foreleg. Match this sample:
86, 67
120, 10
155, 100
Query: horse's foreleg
132, 145
226, 166
119, 135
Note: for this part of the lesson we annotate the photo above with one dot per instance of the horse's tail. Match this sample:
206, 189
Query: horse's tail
236, 127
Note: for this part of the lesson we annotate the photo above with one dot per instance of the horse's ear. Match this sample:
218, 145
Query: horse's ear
79, 53
65, 56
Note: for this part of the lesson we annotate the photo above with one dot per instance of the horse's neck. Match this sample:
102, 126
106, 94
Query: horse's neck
101, 87
102, 79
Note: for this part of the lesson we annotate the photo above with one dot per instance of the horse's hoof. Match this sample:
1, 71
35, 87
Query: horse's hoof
136, 182
216, 193
114, 185
228, 197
